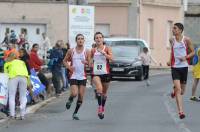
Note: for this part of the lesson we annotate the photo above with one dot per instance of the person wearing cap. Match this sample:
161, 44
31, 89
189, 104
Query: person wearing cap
18, 74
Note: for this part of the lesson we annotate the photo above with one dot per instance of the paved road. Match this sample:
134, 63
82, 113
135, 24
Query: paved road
131, 106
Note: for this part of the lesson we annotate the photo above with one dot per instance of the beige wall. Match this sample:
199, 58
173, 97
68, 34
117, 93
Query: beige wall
52, 14
160, 16
163, 2
115, 16
55, 16
109, 1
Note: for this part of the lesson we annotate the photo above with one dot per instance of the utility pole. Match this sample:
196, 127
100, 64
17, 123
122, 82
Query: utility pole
82, 2
78, 2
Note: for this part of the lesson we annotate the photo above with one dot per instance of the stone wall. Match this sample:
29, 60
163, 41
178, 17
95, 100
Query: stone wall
192, 22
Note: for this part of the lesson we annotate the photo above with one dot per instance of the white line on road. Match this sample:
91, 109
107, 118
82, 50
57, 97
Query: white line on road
172, 112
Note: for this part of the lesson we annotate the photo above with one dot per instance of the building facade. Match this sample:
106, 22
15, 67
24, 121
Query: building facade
192, 21
156, 18
35, 17
110, 14
150, 20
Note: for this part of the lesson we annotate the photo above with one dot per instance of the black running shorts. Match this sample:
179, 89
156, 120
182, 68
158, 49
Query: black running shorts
180, 74
104, 78
78, 82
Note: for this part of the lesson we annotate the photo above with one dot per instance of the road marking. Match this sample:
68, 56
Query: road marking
172, 112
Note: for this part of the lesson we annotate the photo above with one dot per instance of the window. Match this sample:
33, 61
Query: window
150, 32
38, 31
23, 30
169, 33
7, 30
104, 28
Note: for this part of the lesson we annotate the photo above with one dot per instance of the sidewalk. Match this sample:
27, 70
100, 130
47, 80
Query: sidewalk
31, 108
35, 107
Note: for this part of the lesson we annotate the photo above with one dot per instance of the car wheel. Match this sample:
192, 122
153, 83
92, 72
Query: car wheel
111, 78
139, 78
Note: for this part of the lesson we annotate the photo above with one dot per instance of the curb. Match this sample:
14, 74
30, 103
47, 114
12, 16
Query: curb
34, 108
31, 109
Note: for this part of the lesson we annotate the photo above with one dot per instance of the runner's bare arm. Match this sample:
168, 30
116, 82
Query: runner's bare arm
191, 48
170, 56
67, 60
108, 55
88, 59
91, 57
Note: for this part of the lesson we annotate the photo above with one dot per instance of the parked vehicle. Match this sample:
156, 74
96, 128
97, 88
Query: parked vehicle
126, 62
126, 41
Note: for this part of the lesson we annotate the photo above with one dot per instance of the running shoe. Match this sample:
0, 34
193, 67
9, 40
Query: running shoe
172, 94
68, 104
75, 117
100, 114
148, 83
181, 115
12, 117
193, 98
22, 117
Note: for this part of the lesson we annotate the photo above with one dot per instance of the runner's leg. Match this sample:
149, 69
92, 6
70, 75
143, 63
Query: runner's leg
79, 101
194, 86
73, 94
179, 99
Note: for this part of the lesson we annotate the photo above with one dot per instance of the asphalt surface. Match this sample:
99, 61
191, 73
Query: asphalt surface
131, 106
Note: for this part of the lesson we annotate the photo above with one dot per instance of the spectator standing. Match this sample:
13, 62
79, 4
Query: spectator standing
11, 49
56, 59
65, 81
22, 40
146, 61
18, 75
13, 37
45, 45
24, 56
6, 39
1, 59
196, 77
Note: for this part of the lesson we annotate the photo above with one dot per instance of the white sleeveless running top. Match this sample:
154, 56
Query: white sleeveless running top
179, 49
101, 65
79, 72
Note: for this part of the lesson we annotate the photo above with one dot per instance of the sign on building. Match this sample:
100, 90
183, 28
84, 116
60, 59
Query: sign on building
3, 88
81, 21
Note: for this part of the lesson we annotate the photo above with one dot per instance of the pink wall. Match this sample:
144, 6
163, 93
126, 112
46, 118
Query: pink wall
116, 16
160, 15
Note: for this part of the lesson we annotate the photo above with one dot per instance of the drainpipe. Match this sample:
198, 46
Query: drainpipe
184, 8
78, 2
82, 2
138, 17
185, 5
